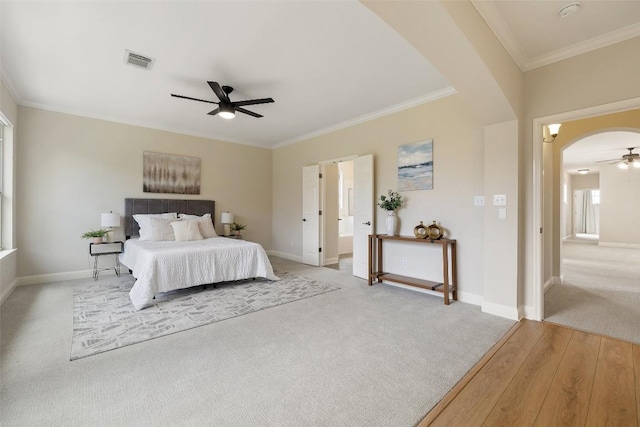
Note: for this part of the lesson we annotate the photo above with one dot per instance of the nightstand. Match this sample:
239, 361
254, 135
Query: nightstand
98, 249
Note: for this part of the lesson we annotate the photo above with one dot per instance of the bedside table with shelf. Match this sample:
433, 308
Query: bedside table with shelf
107, 248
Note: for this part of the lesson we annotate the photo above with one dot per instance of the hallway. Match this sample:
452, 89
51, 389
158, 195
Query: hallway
600, 291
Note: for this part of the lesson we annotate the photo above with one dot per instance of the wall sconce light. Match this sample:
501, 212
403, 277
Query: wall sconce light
227, 219
108, 221
550, 132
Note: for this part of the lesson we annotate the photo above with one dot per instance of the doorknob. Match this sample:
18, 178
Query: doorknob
367, 223
304, 219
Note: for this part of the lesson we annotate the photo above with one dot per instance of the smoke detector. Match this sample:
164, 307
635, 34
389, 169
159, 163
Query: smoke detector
569, 9
137, 60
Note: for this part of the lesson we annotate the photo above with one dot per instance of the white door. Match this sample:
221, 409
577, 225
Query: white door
311, 215
363, 217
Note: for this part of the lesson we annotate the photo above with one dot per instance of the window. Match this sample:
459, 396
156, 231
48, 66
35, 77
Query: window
2, 127
595, 197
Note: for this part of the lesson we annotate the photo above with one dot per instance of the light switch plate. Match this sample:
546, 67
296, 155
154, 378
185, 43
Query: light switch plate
499, 200
502, 213
478, 201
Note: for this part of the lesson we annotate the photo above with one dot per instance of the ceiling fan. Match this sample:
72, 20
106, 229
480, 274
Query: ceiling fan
631, 159
227, 108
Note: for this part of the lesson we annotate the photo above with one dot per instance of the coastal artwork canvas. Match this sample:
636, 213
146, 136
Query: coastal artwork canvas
166, 173
415, 166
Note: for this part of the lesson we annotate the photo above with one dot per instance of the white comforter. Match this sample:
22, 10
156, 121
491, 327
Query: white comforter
161, 266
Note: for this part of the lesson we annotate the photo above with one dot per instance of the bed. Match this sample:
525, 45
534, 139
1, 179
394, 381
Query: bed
165, 265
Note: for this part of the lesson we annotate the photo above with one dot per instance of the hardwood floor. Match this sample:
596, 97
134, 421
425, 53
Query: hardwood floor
541, 374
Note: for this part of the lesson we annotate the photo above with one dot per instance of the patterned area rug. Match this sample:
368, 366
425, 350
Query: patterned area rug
104, 318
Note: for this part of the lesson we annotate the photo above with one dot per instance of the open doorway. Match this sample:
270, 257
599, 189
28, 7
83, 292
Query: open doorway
343, 238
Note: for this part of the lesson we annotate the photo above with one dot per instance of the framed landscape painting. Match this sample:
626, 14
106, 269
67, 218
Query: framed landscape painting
415, 166
166, 173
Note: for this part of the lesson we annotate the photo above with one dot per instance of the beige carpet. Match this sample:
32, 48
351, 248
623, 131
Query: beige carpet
358, 356
600, 292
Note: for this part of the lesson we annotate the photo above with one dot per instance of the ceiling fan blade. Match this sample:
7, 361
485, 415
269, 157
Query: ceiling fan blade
214, 112
253, 102
251, 113
605, 161
221, 94
193, 99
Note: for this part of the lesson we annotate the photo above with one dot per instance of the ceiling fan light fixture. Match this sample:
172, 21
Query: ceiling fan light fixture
636, 164
623, 165
226, 112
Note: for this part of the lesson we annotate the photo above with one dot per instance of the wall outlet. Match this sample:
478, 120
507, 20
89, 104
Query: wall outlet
405, 263
499, 200
478, 201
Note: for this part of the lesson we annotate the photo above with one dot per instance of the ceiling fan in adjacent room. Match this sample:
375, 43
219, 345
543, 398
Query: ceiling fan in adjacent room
226, 108
627, 160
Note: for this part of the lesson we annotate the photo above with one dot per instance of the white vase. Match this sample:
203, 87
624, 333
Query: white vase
392, 223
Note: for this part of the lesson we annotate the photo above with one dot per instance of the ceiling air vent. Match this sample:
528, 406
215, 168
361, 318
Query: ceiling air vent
137, 60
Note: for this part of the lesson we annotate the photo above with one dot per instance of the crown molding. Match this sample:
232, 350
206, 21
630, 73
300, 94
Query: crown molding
500, 28
492, 16
595, 43
433, 96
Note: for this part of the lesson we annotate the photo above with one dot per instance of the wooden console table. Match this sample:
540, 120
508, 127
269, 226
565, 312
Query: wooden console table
448, 248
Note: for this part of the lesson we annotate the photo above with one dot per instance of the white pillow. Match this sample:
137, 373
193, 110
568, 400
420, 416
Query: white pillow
157, 229
143, 221
186, 230
204, 222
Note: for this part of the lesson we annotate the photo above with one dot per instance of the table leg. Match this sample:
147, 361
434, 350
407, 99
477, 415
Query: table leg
379, 267
117, 265
445, 272
454, 272
95, 268
370, 261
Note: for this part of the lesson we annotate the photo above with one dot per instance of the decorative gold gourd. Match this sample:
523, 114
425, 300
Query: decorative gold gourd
435, 231
420, 231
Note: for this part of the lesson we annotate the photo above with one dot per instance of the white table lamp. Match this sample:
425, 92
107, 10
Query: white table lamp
108, 221
226, 218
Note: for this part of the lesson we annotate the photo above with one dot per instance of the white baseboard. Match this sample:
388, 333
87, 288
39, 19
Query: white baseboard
285, 255
553, 280
526, 312
470, 298
329, 261
501, 310
6, 291
620, 245
55, 277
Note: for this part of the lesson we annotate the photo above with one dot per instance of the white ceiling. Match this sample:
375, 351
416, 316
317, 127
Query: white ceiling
590, 152
326, 64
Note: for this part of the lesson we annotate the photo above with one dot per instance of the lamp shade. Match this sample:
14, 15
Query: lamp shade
554, 128
226, 218
109, 220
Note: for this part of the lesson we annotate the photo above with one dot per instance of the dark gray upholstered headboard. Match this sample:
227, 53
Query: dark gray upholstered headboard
156, 206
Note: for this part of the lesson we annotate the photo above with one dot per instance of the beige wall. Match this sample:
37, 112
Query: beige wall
458, 175
587, 81
585, 182
620, 207
71, 169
